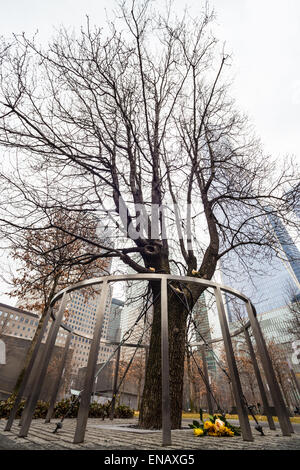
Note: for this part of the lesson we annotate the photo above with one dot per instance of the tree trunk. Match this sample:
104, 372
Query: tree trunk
151, 406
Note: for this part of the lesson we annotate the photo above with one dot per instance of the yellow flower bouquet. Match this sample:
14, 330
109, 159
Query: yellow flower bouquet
215, 425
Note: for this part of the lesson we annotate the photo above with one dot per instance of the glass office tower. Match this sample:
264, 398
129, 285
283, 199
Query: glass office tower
272, 287
289, 248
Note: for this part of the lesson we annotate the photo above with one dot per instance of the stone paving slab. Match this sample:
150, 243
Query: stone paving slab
117, 435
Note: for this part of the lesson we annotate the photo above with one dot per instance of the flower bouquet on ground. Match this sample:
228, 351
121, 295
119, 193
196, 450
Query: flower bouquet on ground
216, 425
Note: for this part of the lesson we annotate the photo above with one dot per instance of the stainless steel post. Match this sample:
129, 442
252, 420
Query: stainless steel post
115, 384
27, 373
42, 369
58, 379
259, 381
276, 394
36, 367
233, 407
165, 371
85, 400
205, 371
233, 371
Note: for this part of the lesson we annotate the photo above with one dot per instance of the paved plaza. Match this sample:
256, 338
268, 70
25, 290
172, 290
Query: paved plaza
122, 435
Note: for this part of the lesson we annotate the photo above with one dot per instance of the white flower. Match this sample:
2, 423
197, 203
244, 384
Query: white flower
219, 423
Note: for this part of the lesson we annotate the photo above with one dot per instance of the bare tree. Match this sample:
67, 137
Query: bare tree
246, 372
280, 364
293, 302
48, 261
128, 123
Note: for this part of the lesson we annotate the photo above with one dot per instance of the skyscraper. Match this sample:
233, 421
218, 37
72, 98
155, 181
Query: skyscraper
293, 198
270, 283
202, 329
271, 292
82, 319
135, 320
114, 324
288, 247
137, 313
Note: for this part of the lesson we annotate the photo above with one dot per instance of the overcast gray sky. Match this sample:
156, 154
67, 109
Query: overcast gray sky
261, 35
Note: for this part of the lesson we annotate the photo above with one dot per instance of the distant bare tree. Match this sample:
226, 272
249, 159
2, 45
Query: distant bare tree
280, 364
48, 261
293, 301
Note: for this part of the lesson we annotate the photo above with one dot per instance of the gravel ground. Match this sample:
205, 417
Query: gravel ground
121, 435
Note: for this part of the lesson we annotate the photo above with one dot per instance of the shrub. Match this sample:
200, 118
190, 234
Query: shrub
66, 407
41, 409
123, 411
98, 411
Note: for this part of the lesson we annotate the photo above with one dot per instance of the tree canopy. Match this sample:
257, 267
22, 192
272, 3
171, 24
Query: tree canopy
124, 123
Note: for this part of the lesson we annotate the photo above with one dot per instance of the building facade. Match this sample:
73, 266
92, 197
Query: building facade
114, 323
136, 315
17, 328
82, 320
81, 317
17, 322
